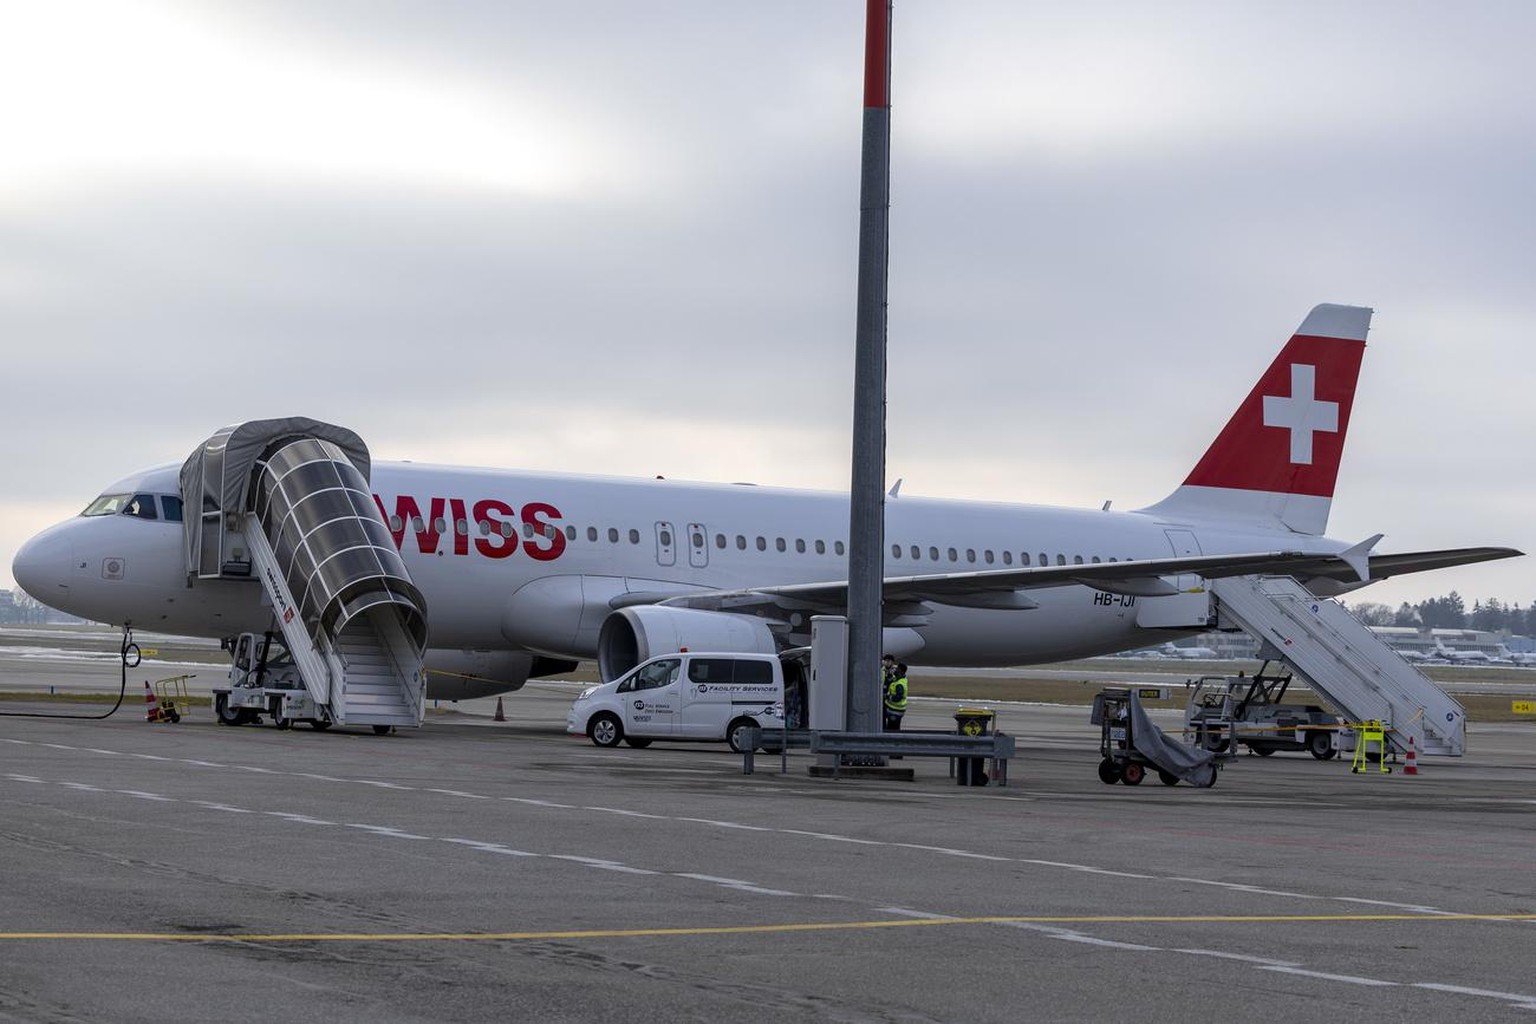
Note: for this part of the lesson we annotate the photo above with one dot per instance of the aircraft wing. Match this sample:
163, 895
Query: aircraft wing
1003, 588
1006, 588
1383, 566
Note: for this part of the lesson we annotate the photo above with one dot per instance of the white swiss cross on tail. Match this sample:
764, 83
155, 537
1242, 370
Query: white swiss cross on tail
1276, 461
1301, 413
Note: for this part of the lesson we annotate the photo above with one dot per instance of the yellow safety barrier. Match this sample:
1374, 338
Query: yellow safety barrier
1370, 732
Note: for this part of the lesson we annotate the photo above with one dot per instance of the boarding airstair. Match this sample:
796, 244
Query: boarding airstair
286, 504
1345, 663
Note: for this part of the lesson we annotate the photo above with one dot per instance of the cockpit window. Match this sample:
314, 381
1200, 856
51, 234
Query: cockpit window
107, 505
141, 505
172, 506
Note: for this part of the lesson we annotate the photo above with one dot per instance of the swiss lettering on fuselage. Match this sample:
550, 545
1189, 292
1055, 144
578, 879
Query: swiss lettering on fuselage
530, 529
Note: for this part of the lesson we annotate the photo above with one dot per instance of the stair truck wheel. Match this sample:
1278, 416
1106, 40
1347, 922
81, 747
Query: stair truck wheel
276, 711
1108, 773
226, 714
319, 724
1320, 745
1216, 741
381, 730
1132, 773
605, 730
736, 734
1167, 778
1262, 749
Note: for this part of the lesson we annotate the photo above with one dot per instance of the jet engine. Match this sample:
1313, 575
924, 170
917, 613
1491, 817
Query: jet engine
632, 635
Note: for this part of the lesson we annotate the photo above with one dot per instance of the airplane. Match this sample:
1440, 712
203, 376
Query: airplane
1172, 650
523, 574
1462, 657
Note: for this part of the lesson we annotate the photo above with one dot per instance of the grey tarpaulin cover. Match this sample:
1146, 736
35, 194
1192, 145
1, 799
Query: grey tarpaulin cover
1192, 764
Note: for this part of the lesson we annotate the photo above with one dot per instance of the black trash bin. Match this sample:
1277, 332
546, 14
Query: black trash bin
972, 771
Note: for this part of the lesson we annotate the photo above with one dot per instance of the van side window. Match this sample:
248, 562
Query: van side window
657, 673
753, 672
709, 670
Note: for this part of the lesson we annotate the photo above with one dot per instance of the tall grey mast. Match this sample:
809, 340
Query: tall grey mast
866, 525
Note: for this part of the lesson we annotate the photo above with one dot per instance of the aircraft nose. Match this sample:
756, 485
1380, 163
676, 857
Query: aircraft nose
42, 565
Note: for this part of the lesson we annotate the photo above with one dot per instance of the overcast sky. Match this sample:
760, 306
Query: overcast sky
622, 238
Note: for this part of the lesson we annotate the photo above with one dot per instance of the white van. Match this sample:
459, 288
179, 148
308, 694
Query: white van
683, 696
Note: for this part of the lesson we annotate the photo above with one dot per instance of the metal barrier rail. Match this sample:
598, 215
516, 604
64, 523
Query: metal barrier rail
997, 747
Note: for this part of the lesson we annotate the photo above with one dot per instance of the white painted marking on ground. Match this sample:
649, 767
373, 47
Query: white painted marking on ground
485, 847
735, 883
1222, 954
26, 778
459, 793
84, 787
721, 824
302, 819
1520, 1000
602, 864
384, 785
140, 794
1089, 869
831, 836
1347, 979
212, 806
623, 812
1068, 935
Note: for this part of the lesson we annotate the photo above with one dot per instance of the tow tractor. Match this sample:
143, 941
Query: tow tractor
263, 680
1227, 710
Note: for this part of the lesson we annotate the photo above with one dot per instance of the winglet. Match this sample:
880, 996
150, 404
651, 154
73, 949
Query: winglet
895, 490
1358, 557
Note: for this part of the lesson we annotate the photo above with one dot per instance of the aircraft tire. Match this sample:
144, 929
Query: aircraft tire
605, 730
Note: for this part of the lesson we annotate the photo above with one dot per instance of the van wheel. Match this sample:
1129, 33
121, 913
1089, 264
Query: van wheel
736, 734
639, 743
606, 730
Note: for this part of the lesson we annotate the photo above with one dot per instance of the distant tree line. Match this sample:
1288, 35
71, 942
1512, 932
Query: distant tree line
17, 607
1450, 612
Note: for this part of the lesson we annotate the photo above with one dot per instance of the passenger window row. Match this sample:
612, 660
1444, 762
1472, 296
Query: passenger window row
988, 557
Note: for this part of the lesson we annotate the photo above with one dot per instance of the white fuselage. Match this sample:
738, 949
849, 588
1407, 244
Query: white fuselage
578, 542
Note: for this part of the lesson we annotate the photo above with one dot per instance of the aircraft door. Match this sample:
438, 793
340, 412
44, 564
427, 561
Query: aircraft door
698, 545
666, 544
1184, 545
651, 704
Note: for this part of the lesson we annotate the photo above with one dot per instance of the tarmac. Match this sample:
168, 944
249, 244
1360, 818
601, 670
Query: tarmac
475, 870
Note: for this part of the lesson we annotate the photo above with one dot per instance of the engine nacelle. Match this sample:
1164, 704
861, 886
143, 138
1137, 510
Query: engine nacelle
632, 635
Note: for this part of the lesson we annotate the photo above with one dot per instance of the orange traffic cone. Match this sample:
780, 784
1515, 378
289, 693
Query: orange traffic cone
1412, 767
500, 716
151, 704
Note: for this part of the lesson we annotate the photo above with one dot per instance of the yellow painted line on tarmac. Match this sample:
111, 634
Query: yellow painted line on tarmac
759, 929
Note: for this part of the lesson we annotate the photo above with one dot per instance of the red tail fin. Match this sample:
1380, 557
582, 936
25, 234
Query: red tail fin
1277, 459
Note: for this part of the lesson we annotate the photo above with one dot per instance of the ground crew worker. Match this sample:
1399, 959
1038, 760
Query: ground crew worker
896, 699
